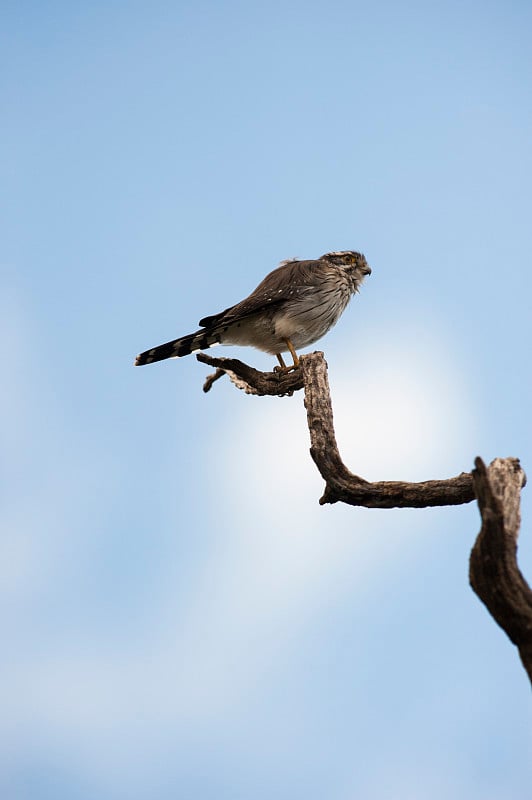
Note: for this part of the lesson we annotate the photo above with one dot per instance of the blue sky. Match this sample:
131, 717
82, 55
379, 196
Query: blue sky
180, 617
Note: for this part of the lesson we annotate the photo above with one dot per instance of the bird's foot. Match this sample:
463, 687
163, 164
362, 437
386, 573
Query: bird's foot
284, 369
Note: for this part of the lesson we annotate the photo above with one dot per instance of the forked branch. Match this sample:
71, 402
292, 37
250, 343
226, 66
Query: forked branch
250, 380
340, 484
494, 574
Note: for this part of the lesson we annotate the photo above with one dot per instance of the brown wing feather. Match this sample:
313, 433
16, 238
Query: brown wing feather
279, 285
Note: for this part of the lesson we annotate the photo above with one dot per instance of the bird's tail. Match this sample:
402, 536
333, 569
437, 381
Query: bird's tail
201, 340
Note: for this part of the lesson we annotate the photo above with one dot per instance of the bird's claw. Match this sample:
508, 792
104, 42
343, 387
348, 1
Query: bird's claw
285, 370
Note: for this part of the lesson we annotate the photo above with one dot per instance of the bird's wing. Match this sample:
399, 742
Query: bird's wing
283, 283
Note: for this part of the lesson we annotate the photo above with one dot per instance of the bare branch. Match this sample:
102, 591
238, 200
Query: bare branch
250, 380
341, 484
494, 574
493, 571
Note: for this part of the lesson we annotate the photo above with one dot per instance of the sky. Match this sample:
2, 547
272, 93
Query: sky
180, 617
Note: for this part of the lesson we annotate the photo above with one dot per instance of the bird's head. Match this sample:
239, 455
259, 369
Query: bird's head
354, 264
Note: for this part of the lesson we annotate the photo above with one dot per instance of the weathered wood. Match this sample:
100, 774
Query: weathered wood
493, 571
340, 483
250, 380
494, 574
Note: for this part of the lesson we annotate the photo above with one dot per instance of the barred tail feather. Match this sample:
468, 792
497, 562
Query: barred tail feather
201, 340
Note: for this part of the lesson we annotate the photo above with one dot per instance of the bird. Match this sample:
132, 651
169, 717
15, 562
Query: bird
294, 306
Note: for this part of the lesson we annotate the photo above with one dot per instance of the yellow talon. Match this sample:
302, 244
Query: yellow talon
283, 367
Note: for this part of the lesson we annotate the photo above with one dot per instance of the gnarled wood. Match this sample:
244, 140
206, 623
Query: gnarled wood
493, 571
494, 574
250, 380
341, 484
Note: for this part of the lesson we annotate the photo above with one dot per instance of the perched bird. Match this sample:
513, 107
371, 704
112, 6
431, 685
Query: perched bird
294, 306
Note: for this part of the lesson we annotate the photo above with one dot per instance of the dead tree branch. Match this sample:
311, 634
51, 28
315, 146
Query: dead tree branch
250, 380
493, 571
494, 574
340, 483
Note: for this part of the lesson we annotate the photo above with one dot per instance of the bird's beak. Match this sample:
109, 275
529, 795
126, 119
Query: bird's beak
367, 270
